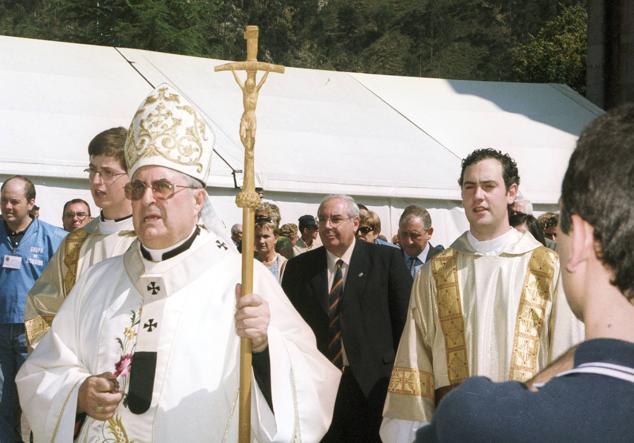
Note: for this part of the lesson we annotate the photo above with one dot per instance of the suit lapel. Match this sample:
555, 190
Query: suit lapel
357, 273
319, 282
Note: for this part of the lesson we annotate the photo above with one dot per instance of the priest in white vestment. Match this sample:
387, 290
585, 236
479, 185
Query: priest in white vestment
490, 305
146, 346
108, 235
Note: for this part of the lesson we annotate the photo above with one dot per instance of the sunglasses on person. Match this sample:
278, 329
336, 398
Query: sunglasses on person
365, 230
162, 189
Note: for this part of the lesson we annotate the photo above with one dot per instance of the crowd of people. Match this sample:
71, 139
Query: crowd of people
126, 326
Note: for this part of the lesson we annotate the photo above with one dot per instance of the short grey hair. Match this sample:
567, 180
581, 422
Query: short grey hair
352, 210
413, 211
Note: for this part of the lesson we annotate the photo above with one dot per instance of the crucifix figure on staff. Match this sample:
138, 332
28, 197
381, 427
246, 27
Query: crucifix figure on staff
248, 199
146, 347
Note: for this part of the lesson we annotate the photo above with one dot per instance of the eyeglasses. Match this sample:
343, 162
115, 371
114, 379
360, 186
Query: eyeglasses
365, 230
335, 220
106, 174
162, 189
79, 215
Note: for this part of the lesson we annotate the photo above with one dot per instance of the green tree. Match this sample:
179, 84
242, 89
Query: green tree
557, 53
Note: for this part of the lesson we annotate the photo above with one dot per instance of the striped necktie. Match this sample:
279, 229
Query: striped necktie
335, 349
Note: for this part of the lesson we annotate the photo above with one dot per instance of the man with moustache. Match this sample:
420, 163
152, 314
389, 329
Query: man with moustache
147, 343
354, 296
588, 396
26, 246
76, 213
108, 235
491, 304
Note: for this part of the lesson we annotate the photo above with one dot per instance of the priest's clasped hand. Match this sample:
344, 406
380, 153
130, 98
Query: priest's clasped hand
252, 319
99, 396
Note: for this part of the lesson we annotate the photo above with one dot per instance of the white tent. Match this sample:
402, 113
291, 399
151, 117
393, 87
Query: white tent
389, 141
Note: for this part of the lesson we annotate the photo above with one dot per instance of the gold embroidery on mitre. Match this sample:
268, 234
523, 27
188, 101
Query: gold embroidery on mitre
410, 381
164, 131
531, 314
445, 272
72, 247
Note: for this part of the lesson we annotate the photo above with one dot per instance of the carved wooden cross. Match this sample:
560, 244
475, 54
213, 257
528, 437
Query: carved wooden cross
248, 125
248, 200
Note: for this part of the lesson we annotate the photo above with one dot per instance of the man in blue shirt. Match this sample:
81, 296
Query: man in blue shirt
588, 394
25, 248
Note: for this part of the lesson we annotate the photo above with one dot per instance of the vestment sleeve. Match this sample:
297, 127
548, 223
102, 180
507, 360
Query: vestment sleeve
48, 382
45, 298
303, 382
410, 397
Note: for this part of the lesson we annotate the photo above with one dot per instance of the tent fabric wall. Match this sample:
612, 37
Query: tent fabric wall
388, 141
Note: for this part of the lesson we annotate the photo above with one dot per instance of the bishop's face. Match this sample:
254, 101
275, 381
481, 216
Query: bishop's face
163, 222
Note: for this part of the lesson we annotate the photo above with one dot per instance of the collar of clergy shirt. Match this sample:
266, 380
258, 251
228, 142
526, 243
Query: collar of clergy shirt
110, 226
167, 253
491, 247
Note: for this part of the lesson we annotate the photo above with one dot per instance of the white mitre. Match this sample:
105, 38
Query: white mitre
169, 131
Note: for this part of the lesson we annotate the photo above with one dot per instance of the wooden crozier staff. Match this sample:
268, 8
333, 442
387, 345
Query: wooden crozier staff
248, 200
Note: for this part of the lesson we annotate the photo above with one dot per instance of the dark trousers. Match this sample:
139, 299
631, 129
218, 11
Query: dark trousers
356, 418
12, 355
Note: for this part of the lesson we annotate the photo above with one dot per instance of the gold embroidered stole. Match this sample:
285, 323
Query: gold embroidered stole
410, 381
74, 241
528, 324
531, 314
444, 268
36, 327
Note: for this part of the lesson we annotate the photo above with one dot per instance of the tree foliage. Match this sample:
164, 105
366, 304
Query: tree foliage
557, 53
534, 40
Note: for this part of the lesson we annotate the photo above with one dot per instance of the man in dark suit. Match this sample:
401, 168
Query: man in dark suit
414, 233
354, 295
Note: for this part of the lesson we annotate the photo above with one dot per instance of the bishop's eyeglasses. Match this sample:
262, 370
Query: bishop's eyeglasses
162, 189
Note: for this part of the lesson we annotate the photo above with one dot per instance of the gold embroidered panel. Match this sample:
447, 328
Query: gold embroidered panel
410, 381
37, 327
531, 314
445, 272
73, 243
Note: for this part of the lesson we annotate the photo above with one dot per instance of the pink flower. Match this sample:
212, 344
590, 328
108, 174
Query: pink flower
122, 367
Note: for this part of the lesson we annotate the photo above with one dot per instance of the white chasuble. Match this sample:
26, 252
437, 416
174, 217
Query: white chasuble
81, 249
502, 316
180, 310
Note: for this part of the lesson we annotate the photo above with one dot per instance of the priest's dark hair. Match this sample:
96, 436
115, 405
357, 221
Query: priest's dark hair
599, 187
509, 167
110, 143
